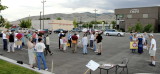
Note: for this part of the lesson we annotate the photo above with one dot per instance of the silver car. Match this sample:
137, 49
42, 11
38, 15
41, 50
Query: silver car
113, 32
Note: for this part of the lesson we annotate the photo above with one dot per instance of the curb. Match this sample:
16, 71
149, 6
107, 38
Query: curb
24, 65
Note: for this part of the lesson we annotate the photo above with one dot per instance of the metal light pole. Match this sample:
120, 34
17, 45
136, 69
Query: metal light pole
40, 20
43, 12
95, 17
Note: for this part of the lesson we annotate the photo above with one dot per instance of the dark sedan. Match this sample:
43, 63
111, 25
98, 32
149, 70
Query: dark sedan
59, 30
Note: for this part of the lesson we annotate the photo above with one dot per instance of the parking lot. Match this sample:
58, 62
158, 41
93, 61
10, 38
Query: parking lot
114, 49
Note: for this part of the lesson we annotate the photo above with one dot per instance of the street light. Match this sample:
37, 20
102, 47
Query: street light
40, 20
43, 12
95, 16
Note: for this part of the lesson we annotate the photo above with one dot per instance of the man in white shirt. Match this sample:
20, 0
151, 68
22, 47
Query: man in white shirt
85, 42
4, 36
40, 55
152, 50
91, 40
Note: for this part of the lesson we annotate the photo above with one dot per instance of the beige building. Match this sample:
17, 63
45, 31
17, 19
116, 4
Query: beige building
61, 24
50, 24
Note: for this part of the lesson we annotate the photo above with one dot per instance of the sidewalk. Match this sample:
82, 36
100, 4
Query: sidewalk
24, 65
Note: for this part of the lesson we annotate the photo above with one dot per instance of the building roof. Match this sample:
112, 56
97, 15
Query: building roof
139, 7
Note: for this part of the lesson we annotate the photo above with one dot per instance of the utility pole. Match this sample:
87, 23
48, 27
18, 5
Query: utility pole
95, 17
40, 19
43, 12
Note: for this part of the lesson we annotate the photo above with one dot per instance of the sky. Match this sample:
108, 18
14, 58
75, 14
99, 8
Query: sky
18, 9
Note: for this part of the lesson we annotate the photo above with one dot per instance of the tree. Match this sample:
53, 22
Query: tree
148, 28
90, 25
58, 18
138, 27
2, 21
84, 25
114, 24
75, 23
2, 7
25, 23
7, 25
130, 29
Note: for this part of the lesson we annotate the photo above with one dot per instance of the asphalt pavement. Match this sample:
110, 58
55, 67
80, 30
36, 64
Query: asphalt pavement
114, 49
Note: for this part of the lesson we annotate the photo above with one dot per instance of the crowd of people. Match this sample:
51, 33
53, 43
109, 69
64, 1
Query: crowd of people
142, 41
38, 44
94, 42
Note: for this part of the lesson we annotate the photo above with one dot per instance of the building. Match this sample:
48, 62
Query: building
128, 17
50, 24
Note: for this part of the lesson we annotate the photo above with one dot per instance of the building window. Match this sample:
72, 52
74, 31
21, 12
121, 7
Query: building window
145, 15
129, 16
120, 16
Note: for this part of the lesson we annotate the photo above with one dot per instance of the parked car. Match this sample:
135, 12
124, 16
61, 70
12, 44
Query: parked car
94, 31
113, 32
59, 30
76, 30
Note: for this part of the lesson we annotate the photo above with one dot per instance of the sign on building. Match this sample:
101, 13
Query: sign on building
134, 11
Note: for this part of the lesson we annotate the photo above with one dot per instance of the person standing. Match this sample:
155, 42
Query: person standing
84, 43
64, 43
69, 39
47, 43
91, 40
95, 43
11, 42
135, 39
60, 36
140, 44
31, 52
5, 44
40, 54
35, 37
99, 44
74, 42
152, 50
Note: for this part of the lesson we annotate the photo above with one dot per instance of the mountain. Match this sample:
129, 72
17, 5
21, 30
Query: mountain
84, 17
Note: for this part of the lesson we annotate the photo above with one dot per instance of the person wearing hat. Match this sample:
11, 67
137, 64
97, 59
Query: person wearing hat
152, 50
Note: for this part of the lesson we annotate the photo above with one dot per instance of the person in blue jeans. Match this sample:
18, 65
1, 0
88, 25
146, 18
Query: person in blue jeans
40, 54
84, 43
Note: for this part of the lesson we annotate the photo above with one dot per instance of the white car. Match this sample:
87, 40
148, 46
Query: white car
113, 32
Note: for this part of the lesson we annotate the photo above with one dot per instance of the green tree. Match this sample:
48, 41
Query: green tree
148, 28
25, 23
58, 18
7, 25
2, 20
114, 24
2, 7
75, 23
90, 25
84, 25
138, 27
130, 29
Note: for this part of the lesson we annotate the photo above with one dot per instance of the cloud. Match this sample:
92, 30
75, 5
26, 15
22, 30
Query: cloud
23, 8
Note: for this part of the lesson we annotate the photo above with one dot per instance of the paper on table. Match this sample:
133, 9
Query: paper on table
107, 65
92, 65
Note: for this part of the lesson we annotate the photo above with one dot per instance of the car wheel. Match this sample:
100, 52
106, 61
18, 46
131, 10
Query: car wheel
118, 34
107, 34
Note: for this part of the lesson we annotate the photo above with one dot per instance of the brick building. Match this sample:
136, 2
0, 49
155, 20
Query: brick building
128, 17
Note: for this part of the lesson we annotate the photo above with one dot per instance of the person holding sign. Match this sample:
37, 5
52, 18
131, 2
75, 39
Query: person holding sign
134, 43
152, 50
